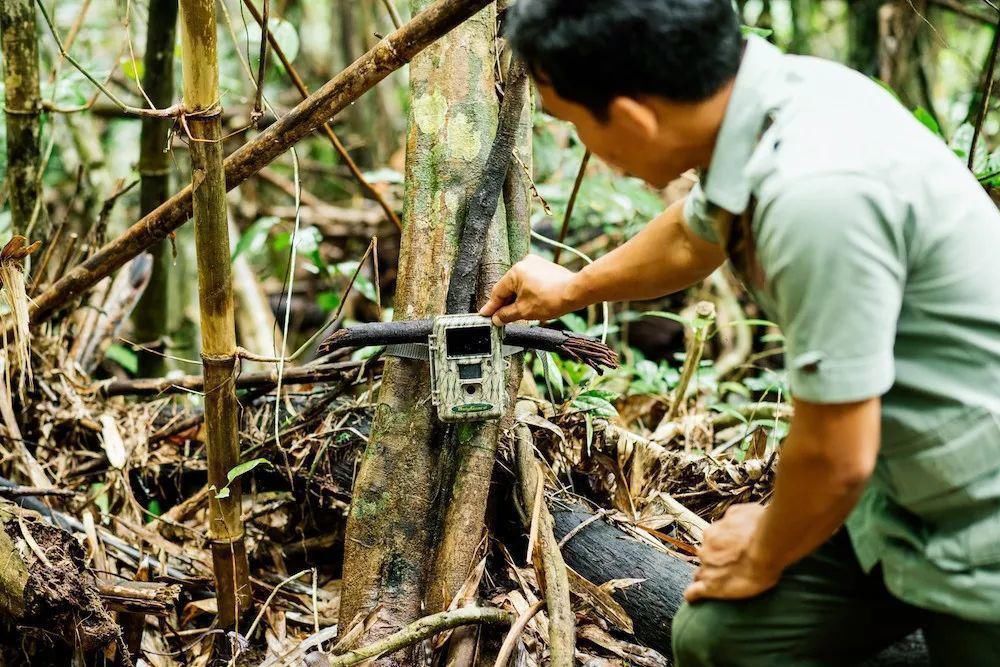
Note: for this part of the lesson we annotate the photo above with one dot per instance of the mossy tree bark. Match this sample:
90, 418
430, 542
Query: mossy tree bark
158, 309
393, 519
18, 38
215, 287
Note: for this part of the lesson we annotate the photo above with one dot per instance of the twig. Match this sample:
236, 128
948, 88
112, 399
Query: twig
583, 349
510, 641
262, 61
571, 534
483, 203
390, 6
984, 103
308, 374
571, 204
959, 8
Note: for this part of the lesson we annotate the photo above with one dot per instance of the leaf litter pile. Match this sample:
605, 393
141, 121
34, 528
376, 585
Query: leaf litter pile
105, 497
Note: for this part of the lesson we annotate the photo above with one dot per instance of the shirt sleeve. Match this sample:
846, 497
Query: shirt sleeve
835, 265
697, 215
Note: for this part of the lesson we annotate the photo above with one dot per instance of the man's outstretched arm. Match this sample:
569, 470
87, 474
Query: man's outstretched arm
666, 256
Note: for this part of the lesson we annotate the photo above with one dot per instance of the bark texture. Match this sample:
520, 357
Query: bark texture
22, 106
393, 517
215, 290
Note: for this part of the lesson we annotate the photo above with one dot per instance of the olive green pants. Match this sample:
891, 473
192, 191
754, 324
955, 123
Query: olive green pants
824, 611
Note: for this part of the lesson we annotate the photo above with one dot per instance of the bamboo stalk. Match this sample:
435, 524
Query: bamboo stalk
19, 41
152, 316
215, 290
383, 59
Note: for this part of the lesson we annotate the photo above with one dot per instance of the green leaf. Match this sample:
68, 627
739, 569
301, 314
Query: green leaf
753, 30
328, 301
133, 69
596, 405
574, 323
124, 357
925, 117
223, 493
751, 323
245, 467
254, 239
669, 316
547, 369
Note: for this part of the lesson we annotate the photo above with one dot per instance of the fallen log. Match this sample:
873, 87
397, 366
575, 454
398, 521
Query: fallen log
384, 58
600, 552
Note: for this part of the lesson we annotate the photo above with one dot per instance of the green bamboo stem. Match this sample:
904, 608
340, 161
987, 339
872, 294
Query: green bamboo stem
215, 289
152, 316
22, 108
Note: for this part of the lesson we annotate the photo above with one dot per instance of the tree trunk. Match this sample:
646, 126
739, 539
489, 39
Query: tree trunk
23, 105
160, 305
392, 521
218, 327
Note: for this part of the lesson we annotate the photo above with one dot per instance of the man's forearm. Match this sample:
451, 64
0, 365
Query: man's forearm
664, 257
807, 508
823, 471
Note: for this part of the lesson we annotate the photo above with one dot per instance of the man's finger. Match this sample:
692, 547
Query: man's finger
696, 591
503, 292
508, 314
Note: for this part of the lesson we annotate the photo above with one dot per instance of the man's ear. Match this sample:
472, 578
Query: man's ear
628, 112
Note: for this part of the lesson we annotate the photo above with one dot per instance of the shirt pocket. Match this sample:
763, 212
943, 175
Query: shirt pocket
955, 466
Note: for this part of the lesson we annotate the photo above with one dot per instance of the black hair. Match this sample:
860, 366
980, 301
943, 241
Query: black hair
592, 51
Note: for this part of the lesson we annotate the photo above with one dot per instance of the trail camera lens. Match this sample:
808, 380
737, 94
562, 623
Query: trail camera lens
468, 342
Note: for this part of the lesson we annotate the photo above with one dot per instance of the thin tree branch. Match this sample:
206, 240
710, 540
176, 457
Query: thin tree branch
987, 91
390, 6
571, 204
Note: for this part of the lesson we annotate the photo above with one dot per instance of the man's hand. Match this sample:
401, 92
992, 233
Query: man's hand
533, 289
729, 570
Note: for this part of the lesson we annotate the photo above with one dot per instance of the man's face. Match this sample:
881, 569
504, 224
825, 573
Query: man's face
630, 139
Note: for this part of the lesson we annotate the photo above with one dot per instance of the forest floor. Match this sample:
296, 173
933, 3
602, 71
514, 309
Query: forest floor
128, 480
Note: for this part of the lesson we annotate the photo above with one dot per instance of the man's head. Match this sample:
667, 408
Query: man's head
644, 81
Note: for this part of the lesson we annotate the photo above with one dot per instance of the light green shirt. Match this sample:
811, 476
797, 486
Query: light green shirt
881, 262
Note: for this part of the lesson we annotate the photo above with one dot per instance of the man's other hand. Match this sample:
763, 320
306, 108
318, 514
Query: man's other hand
533, 289
728, 569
